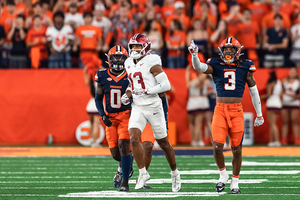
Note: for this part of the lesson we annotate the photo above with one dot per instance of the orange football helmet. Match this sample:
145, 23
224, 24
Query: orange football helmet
230, 42
116, 57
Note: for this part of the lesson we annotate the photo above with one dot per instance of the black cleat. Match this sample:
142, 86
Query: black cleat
235, 191
117, 180
124, 186
147, 187
220, 187
131, 172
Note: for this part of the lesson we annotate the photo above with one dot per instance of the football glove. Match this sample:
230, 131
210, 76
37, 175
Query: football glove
259, 121
106, 120
125, 99
193, 49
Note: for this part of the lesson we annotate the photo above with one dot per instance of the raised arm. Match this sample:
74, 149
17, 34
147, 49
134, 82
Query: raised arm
202, 67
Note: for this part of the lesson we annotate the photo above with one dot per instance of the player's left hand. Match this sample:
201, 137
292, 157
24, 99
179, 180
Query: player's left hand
125, 99
259, 121
106, 120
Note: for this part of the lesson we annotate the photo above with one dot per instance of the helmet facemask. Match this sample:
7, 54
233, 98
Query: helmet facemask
134, 53
117, 61
229, 58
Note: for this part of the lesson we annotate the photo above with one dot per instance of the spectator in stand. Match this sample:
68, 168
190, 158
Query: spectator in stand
175, 40
212, 8
74, 18
20, 9
287, 8
155, 36
268, 19
274, 105
208, 20
199, 35
7, 18
167, 8
179, 14
59, 38
17, 34
248, 33
122, 29
36, 40
295, 36
218, 36
150, 14
37, 10
45, 8
233, 18
100, 20
115, 9
275, 43
89, 37
258, 9
291, 105
2, 37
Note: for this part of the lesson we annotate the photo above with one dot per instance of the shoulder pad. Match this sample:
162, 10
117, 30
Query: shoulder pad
154, 59
250, 65
212, 61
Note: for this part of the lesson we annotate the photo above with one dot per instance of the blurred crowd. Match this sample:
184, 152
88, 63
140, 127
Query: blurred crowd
60, 33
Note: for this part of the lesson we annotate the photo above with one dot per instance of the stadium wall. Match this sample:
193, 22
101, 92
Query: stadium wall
36, 103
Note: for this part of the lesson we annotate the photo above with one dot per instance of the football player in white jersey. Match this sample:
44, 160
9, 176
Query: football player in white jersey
147, 80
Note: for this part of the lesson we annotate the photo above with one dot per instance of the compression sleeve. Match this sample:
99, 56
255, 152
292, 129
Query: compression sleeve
162, 86
99, 103
202, 67
255, 100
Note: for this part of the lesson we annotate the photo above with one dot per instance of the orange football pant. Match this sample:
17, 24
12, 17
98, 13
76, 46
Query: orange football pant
228, 119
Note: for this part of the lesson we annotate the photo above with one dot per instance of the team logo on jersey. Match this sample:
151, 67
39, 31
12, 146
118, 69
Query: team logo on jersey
141, 64
83, 136
109, 79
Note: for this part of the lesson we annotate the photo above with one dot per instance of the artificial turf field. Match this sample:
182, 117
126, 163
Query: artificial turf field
90, 177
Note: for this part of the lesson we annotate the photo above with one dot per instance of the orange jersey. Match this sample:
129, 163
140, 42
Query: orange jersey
34, 34
93, 64
268, 21
258, 11
228, 119
247, 34
232, 24
176, 39
19, 9
167, 11
183, 19
288, 9
7, 20
89, 36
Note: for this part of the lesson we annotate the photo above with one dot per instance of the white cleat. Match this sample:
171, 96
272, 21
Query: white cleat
142, 181
176, 184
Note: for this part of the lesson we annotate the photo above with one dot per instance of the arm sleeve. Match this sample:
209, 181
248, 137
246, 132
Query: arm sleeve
99, 103
202, 67
162, 86
255, 100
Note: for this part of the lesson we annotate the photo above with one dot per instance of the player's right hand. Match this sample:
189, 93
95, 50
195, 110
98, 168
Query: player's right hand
193, 49
125, 99
106, 120
259, 121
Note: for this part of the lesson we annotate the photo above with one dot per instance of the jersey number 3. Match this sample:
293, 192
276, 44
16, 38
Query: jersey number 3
231, 80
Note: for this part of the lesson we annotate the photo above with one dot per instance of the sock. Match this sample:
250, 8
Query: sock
223, 175
175, 172
119, 169
143, 170
234, 182
126, 166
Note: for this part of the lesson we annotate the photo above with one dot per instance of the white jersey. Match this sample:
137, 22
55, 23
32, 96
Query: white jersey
274, 100
290, 88
60, 38
141, 78
76, 19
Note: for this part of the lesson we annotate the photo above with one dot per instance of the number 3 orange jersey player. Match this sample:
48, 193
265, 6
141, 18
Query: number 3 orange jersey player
230, 74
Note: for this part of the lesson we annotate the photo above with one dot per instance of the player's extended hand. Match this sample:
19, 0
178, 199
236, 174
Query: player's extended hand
106, 120
259, 121
193, 49
125, 99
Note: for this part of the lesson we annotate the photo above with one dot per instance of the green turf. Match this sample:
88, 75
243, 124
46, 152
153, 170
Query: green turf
48, 177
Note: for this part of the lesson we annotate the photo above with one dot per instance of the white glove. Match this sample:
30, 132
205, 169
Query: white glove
259, 121
125, 99
193, 49
138, 91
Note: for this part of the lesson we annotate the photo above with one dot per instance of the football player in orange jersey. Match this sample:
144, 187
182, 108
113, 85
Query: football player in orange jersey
230, 73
